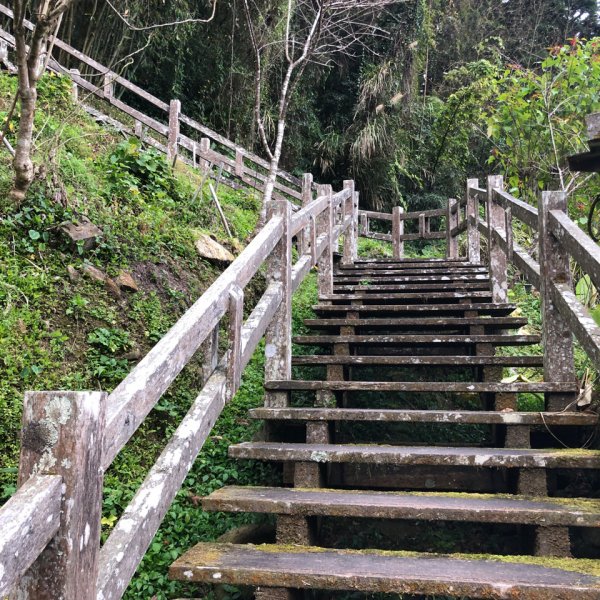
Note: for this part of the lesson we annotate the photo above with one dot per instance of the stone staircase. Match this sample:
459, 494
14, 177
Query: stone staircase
406, 433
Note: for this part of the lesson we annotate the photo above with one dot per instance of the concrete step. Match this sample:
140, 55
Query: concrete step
482, 308
460, 362
375, 288
420, 323
418, 455
419, 296
580, 419
489, 508
409, 340
497, 578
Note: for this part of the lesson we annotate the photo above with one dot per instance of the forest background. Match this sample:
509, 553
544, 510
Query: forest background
451, 89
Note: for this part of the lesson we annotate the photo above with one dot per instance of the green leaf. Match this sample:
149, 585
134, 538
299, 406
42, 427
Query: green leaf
34, 235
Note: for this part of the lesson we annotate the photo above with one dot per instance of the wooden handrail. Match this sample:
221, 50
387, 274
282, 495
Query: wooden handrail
320, 224
30, 519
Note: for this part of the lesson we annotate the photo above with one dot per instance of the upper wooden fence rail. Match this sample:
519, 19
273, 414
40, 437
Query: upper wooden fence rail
232, 159
70, 438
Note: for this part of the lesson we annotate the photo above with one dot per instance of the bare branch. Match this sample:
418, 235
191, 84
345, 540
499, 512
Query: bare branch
159, 25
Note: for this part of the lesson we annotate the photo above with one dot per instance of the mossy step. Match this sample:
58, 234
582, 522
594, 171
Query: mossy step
414, 276
373, 288
420, 296
426, 416
482, 308
427, 339
414, 361
418, 455
576, 512
456, 322
493, 578
463, 387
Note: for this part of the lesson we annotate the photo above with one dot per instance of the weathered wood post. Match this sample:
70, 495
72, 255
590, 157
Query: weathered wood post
474, 243
355, 207
325, 227
451, 223
108, 86
397, 231
304, 236
557, 338
350, 210
497, 256
74, 88
174, 125
62, 435
204, 163
278, 337
364, 224
239, 163
236, 322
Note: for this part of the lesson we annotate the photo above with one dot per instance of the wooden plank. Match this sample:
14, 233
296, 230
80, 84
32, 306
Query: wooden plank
28, 521
419, 455
448, 417
578, 245
133, 533
520, 210
465, 387
431, 235
418, 277
578, 319
429, 339
382, 237
61, 435
461, 362
497, 322
371, 214
371, 571
482, 308
424, 296
404, 505
137, 394
302, 218
417, 286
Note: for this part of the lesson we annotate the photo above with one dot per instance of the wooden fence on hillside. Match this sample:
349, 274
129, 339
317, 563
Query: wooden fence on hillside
177, 135
50, 529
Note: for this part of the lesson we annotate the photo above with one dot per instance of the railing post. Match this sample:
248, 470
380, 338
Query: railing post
278, 337
474, 243
451, 223
173, 137
557, 338
397, 231
204, 163
236, 322
108, 86
350, 210
355, 206
497, 256
239, 163
325, 226
363, 224
62, 435
74, 87
307, 197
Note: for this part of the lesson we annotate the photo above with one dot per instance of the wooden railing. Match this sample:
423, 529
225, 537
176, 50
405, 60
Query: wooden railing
398, 217
50, 529
177, 135
559, 243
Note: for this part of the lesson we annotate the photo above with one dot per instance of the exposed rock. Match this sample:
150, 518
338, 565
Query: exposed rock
72, 273
82, 231
208, 248
126, 282
94, 273
112, 288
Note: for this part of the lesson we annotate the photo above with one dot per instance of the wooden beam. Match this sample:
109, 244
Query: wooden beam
28, 521
61, 436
